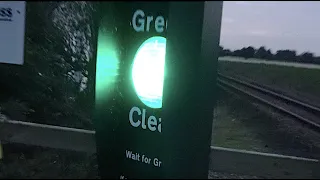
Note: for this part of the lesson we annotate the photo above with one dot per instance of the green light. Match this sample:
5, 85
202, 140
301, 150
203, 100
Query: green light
107, 66
148, 71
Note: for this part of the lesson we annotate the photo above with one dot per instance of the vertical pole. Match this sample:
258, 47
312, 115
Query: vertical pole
190, 86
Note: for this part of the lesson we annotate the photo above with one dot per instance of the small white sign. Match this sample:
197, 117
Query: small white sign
12, 29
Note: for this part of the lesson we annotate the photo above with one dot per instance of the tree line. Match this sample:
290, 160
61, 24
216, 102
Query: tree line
266, 54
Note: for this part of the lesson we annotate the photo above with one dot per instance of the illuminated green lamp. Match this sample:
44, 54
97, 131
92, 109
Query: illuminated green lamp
148, 71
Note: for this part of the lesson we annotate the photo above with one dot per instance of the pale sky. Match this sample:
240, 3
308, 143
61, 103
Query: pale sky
273, 24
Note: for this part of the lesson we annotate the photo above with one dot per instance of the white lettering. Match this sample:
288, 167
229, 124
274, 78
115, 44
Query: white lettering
133, 156
149, 19
128, 153
134, 124
159, 126
146, 159
156, 162
159, 24
152, 122
140, 26
166, 24
142, 23
144, 119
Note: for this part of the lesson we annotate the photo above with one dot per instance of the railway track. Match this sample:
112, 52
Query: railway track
307, 114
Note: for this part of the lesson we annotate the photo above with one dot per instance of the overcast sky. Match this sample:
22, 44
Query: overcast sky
276, 25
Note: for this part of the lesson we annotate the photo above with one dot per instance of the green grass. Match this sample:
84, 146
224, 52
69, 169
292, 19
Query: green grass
298, 82
240, 124
232, 128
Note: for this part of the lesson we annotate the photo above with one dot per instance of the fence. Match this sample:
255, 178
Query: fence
221, 159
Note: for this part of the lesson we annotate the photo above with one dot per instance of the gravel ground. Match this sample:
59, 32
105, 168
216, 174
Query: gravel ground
21, 161
221, 175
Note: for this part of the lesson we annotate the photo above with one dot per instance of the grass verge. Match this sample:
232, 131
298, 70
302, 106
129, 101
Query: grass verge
240, 124
298, 82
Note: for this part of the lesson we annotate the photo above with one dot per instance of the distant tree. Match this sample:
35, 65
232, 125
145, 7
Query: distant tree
262, 53
237, 53
221, 51
246, 53
287, 55
269, 55
306, 57
227, 52
249, 52
316, 60
224, 52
